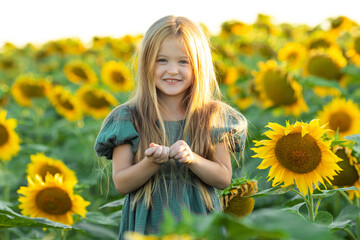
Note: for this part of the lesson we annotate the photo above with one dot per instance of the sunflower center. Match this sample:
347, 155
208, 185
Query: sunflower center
357, 45
340, 120
53, 201
80, 73
298, 154
348, 176
65, 103
32, 90
117, 77
325, 67
48, 169
335, 23
7, 64
319, 43
4, 135
95, 101
293, 56
278, 89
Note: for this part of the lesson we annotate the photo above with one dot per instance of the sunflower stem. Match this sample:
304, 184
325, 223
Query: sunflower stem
311, 208
317, 206
358, 219
351, 234
346, 197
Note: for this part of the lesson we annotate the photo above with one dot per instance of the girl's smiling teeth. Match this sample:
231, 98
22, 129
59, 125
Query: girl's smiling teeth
172, 80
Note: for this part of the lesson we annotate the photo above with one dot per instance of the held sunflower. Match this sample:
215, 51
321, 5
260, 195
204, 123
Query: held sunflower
342, 116
297, 154
9, 140
42, 165
52, 199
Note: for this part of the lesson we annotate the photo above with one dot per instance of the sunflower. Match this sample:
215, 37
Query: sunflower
349, 176
80, 72
342, 116
321, 40
340, 25
51, 198
65, 103
26, 88
9, 140
277, 88
138, 236
95, 102
42, 165
354, 51
117, 76
233, 200
294, 54
297, 154
234, 27
326, 64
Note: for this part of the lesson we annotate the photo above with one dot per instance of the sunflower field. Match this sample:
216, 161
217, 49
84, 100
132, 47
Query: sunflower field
298, 86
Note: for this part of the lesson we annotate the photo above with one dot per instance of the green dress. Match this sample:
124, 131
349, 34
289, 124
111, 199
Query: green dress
177, 192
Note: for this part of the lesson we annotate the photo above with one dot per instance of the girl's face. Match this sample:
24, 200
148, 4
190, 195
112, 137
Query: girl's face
173, 72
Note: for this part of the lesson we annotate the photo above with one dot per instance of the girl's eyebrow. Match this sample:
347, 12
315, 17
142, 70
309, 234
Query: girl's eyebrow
180, 57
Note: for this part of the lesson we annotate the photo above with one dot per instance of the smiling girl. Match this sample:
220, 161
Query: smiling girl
171, 143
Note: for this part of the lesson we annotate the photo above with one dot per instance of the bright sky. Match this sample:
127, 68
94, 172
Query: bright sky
38, 21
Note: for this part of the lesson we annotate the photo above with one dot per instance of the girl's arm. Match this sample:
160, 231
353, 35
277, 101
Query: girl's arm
127, 176
216, 172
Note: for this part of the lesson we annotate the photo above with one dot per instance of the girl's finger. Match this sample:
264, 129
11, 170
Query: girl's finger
150, 151
157, 152
181, 154
154, 145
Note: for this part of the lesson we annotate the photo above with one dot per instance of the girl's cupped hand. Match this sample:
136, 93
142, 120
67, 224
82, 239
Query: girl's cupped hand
158, 154
181, 151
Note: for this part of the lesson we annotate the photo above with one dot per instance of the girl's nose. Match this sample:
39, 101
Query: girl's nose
173, 69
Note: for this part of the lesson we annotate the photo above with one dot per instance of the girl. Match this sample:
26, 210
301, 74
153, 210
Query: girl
171, 142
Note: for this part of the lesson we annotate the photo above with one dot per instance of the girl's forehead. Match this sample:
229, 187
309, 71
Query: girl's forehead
173, 42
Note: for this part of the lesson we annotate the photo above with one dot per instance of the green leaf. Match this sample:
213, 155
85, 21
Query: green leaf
324, 217
116, 203
328, 193
9, 218
100, 219
354, 137
273, 191
295, 209
313, 81
345, 218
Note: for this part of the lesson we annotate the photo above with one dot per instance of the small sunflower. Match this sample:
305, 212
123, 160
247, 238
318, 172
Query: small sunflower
65, 103
349, 176
138, 236
95, 102
80, 72
321, 40
234, 27
297, 154
9, 140
354, 51
342, 116
341, 24
26, 88
42, 165
294, 54
277, 88
237, 95
326, 64
117, 76
233, 200
51, 198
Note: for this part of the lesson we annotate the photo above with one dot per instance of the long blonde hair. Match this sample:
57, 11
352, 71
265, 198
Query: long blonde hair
202, 106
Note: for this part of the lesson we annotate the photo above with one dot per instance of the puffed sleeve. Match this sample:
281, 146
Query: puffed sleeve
117, 129
234, 130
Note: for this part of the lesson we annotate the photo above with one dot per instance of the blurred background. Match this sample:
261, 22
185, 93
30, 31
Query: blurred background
65, 64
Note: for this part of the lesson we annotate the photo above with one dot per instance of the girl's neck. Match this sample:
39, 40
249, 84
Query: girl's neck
172, 108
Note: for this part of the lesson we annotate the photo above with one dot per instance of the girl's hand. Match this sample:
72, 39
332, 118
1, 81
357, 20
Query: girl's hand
181, 151
157, 153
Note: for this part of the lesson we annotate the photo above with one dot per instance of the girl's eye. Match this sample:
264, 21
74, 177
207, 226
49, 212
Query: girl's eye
183, 62
161, 60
